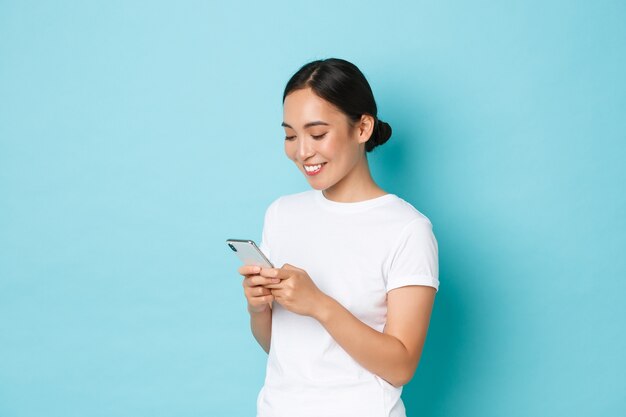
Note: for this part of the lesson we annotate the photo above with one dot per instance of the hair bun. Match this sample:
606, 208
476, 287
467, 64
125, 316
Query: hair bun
380, 135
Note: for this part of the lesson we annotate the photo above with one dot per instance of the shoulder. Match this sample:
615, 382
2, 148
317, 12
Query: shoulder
290, 201
405, 214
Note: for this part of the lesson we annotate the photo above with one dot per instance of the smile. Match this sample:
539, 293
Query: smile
313, 169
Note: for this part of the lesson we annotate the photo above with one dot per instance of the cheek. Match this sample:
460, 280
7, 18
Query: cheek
336, 150
329, 149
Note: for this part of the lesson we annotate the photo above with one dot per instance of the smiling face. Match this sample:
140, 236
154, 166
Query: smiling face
322, 143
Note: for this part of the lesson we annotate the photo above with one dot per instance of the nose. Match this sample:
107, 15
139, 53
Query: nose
305, 149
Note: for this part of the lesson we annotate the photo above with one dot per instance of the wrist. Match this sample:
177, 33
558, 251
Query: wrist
323, 312
259, 310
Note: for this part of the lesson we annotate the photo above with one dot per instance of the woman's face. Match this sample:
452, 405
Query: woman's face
320, 140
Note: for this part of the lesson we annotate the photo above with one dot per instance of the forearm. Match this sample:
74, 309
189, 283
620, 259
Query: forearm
261, 325
381, 354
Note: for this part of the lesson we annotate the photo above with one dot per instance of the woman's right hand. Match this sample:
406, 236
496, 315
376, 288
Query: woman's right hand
259, 298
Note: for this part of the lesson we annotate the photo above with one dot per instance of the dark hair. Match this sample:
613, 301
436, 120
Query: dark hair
342, 84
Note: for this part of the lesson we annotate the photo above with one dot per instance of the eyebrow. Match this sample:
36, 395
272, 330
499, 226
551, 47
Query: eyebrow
315, 123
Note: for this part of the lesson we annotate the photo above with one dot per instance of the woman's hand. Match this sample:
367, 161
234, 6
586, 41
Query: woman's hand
259, 298
295, 291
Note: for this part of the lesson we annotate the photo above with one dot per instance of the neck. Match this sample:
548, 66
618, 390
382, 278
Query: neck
357, 185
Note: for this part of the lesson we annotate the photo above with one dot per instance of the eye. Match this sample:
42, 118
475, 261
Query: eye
318, 137
290, 137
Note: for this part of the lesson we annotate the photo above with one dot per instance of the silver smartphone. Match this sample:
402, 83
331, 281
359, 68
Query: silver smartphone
248, 252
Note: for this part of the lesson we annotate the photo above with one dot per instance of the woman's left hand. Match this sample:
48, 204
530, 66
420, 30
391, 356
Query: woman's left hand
296, 291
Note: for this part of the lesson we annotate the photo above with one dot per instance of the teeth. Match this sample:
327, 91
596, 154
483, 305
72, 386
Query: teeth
312, 168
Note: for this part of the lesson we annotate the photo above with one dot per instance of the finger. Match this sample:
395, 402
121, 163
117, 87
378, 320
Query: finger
289, 267
257, 280
275, 286
261, 291
255, 293
257, 301
274, 273
249, 270
277, 294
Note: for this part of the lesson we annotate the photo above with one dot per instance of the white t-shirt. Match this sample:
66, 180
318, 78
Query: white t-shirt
355, 253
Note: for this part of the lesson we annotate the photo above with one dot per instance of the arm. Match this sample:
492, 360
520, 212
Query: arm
394, 354
261, 325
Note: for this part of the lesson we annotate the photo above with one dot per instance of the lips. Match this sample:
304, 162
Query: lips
311, 170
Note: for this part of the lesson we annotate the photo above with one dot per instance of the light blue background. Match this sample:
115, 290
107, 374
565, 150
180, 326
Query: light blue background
136, 136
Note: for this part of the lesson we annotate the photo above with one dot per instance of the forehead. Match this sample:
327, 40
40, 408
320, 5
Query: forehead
304, 105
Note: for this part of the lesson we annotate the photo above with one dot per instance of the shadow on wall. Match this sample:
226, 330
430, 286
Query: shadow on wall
404, 169
450, 331
440, 370
458, 355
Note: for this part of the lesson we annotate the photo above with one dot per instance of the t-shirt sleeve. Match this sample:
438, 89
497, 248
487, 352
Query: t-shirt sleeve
266, 240
415, 258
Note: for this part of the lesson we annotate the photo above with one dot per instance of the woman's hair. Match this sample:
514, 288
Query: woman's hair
342, 84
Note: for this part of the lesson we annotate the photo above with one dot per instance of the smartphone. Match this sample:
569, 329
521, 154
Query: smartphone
248, 252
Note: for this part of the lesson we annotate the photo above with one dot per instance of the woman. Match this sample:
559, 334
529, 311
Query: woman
345, 317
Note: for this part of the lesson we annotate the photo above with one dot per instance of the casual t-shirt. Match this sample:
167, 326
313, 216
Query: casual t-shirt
355, 253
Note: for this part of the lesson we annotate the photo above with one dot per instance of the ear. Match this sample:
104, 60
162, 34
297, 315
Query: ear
365, 127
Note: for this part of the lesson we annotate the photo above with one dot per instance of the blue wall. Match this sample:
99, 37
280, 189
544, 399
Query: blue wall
136, 136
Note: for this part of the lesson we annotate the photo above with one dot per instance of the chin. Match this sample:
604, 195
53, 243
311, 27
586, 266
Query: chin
318, 186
